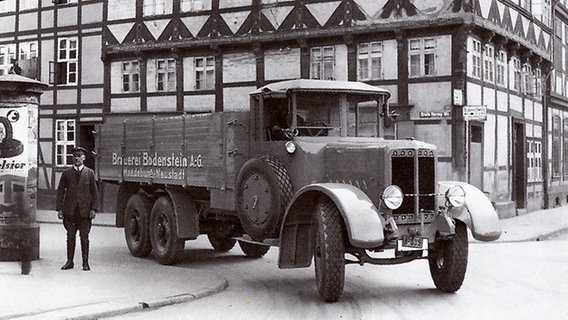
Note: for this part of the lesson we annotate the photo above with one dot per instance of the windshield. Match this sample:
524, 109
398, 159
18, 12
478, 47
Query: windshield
317, 114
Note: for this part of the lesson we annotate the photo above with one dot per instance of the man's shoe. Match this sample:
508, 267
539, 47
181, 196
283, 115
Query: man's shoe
86, 266
68, 265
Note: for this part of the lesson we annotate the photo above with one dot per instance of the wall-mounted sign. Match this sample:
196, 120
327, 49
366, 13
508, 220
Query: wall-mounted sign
435, 114
478, 113
458, 97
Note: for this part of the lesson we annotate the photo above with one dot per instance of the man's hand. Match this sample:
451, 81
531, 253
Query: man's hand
60, 214
92, 214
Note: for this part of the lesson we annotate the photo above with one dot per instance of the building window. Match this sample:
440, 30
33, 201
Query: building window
64, 1
556, 145
131, 76
501, 68
322, 63
488, 64
7, 54
205, 73
65, 142
65, 71
534, 161
527, 80
166, 74
538, 82
154, 7
28, 50
476, 59
516, 74
370, 61
191, 5
422, 55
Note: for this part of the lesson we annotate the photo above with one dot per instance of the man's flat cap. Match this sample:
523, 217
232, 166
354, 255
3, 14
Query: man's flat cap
80, 150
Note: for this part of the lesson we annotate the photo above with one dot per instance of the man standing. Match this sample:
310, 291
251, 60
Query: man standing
77, 199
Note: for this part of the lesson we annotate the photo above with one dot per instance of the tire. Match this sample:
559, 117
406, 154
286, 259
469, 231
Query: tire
136, 222
329, 251
263, 191
448, 260
166, 245
252, 250
221, 244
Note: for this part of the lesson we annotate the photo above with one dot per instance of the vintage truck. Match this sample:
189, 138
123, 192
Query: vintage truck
304, 169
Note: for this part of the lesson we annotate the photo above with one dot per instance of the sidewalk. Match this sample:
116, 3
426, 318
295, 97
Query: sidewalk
118, 288
117, 284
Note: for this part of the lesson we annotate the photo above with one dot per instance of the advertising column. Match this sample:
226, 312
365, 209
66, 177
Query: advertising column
19, 232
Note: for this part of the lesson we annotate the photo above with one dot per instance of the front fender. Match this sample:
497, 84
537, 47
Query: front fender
477, 212
363, 223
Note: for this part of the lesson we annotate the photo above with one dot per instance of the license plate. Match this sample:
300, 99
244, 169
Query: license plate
412, 244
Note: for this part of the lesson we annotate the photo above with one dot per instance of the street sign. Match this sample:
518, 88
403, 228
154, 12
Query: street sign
478, 113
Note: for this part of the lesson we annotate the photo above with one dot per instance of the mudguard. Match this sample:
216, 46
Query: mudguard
363, 223
477, 212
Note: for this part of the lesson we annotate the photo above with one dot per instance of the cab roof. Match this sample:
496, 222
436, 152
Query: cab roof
311, 85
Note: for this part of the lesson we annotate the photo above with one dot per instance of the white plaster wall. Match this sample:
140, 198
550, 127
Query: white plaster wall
489, 98
390, 59
340, 62
502, 141
92, 64
516, 103
237, 99
125, 104
234, 3
420, 95
473, 94
121, 9
161, 104
94, 95
199, 103
282, 64
489, 143
238, 67
502, 101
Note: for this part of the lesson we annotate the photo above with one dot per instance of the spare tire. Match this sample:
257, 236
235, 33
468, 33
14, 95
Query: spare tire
263, 192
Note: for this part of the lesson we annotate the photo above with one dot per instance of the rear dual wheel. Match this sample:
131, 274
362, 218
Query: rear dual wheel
165, 243
136, 220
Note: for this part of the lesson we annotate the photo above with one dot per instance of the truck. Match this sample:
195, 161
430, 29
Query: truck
306, 169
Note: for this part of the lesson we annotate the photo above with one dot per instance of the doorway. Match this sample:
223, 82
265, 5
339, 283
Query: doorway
87, 141
519, 179
476, 156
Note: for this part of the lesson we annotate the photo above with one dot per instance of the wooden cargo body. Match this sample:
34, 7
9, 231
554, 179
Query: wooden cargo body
203, 150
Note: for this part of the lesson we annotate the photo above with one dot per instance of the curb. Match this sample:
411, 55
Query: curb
120, 307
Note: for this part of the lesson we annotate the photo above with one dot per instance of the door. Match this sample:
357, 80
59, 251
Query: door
476, 156
519, 179
87, 141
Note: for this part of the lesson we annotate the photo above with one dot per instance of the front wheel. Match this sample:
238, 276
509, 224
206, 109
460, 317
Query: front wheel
448, 260
166, 245
328, 254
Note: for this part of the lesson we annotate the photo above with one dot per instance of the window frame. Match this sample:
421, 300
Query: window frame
556, 146
166, 76
130, 76
153, 7
64, 146
489, 64
67, 61
192, 5
422, 51
321, 63
517, 76
204, 73
7, 53
365, 61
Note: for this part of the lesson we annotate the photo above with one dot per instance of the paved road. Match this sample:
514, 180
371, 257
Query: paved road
525, 280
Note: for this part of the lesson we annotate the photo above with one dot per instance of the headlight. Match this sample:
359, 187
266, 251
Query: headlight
455, 196
290, 147
392, 197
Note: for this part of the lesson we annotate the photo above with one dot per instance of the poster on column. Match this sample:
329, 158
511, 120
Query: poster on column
14, 135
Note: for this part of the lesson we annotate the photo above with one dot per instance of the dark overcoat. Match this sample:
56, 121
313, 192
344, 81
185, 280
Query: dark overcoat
72, 193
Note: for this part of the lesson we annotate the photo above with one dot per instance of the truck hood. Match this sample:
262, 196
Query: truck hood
316, 144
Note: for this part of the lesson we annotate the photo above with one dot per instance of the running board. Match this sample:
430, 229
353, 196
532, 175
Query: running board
271, 242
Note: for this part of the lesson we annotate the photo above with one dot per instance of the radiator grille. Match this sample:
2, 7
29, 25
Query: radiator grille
411, 168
